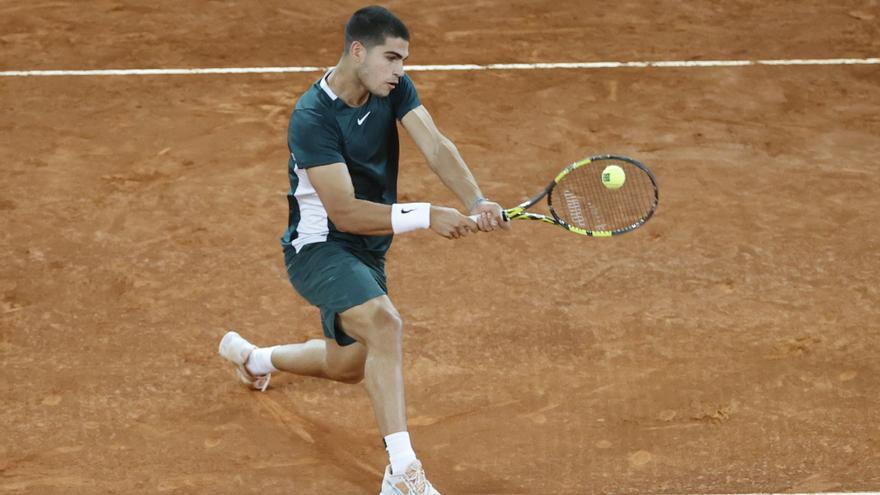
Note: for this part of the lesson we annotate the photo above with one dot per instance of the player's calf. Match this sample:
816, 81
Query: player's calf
350, 376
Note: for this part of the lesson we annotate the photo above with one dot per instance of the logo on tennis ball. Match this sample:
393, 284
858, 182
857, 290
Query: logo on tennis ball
613, 177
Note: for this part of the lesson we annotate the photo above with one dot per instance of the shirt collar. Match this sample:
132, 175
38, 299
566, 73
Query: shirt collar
326, 87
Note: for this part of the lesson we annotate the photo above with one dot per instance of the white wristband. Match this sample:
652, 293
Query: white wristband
406, 217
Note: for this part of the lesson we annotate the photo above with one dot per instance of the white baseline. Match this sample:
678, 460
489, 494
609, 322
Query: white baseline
455, 67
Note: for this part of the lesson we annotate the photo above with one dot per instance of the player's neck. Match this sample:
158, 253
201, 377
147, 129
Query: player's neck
345, 84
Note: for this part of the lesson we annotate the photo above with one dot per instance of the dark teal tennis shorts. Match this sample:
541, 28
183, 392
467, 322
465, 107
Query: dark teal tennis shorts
335, 277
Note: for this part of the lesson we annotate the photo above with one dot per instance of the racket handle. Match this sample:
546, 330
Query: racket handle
503, 216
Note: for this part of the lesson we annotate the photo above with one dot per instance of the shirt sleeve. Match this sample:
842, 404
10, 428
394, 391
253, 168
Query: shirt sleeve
313, 139
404, 97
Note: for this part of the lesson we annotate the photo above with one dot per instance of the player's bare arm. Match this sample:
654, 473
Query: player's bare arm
350, 214
444, 159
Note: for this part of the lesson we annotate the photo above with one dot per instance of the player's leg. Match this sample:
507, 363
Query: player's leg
322, 358
317, 358
377, 325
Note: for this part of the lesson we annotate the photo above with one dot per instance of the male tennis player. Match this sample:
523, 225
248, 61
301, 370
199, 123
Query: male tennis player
343, 166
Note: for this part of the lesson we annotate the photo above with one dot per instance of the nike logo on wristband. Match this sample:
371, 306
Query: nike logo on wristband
407, 211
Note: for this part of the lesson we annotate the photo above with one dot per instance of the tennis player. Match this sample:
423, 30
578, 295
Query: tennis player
343, 213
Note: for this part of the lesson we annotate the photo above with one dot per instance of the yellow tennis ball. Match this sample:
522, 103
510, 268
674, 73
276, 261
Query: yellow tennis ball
613, 177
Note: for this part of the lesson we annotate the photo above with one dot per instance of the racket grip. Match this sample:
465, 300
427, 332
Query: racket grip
503, 216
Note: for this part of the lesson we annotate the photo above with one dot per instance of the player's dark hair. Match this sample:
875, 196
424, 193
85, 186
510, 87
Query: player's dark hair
371, 25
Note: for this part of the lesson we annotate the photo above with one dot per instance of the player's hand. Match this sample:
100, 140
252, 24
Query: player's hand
490, 216
451, 224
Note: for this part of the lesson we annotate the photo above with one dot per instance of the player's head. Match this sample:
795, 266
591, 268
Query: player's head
377, 42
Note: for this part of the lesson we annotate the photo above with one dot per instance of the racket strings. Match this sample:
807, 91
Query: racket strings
580, 199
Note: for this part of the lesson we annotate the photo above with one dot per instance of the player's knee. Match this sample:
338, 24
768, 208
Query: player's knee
387, 327
376, 324
352, 375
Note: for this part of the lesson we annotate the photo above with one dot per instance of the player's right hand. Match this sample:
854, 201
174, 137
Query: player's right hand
451, 224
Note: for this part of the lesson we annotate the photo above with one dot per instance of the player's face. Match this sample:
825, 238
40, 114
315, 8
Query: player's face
381, 66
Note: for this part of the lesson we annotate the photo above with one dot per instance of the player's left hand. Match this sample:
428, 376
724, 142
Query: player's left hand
490, 216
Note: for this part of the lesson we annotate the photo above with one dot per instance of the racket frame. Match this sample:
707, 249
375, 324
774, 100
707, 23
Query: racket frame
519, 212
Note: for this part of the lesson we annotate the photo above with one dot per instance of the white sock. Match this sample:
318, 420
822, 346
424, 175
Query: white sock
400, 451
260, 361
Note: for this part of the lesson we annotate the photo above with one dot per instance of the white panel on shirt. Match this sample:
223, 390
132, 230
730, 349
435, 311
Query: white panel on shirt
313, 225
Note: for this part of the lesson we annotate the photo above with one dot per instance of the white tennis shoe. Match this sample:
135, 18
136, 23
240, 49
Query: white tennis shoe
410, 482
236, 350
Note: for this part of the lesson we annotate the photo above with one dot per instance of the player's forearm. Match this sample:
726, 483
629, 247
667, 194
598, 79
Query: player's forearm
448, 164
367, 218
360, 217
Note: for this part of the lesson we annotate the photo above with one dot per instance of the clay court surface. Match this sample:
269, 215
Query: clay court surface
730, 345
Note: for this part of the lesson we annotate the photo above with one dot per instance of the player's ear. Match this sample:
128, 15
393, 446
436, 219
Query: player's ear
358, 51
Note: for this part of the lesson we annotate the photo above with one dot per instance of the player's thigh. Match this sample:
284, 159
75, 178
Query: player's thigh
373, 322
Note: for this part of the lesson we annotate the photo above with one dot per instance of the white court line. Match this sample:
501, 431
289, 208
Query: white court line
459, 67
158, 72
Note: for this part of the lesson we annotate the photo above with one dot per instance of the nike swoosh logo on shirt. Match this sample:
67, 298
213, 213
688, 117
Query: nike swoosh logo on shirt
362, 119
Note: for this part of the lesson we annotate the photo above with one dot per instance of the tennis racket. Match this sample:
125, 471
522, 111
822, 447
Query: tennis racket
580, 202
